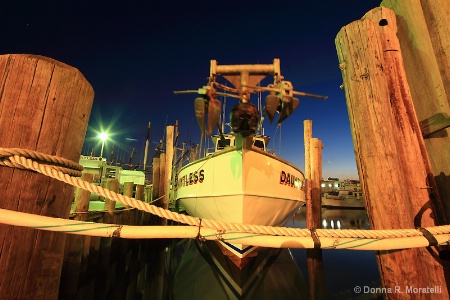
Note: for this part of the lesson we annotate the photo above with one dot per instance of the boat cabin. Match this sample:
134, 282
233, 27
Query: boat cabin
259, 141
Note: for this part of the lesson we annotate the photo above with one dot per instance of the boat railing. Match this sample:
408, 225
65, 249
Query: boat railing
210, 150
271, 151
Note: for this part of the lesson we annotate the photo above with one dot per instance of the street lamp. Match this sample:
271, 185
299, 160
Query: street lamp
103, 136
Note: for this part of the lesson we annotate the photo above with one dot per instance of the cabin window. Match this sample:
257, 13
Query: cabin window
222, 144
259, 144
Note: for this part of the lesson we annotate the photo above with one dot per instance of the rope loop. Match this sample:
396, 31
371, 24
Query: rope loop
60, 164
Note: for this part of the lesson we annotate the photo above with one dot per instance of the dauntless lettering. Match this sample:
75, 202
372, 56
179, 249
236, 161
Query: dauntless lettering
290, 180
191, 178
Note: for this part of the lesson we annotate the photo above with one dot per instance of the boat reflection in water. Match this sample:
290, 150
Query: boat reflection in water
343, 269
199, 270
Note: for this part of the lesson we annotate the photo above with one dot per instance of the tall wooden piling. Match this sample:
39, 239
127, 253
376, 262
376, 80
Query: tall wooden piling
168, 166
140, 196
392, 165
424, 37
162, 184
155, 178
313, 176
44, 106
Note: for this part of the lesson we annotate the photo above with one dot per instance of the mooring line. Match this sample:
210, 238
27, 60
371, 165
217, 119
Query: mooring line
294, 237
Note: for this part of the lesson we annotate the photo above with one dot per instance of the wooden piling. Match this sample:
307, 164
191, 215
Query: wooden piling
155, 187
140, 192
155, 178
162, 184
105, 272
120, 248
168, 166
140, 196
77, 247
391, 163
88, 281
44, 106
112, 184
424, 37
82, 197
313, 177
128, 189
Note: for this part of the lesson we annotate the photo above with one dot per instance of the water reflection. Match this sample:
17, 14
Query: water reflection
343, 269
335, 219
203, 272
199, 270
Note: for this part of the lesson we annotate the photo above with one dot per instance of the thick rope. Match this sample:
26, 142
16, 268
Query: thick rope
61, 164
144, 232
227, 227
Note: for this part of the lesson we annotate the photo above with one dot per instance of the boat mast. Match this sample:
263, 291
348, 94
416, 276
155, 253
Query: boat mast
245, 79
147, 138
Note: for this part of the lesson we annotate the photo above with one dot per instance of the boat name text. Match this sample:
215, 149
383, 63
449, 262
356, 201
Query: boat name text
290, 180
191, 178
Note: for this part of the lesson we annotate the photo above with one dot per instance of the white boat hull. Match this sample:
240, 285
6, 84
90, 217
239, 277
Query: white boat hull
241, 186
349, 202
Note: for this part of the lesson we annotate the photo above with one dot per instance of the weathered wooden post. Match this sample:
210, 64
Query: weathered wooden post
313, 176
112, 184
77, 247
148, 193
155, 178
82, 198
162, 184
139, 196
44, 106
392, 166
168, 166
155, 185
128, 188
162, 178
424, 37
140, 192
104, 276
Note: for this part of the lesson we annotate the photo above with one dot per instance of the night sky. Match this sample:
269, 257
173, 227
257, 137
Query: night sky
136, 53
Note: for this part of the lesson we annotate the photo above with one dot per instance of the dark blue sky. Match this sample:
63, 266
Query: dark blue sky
136, 53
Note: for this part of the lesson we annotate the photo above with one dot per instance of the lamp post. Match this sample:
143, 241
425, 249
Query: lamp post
103, 136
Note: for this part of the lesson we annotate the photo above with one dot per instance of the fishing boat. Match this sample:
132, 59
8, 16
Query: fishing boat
343, 194
239, 180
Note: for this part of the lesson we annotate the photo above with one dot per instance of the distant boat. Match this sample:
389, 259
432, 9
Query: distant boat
239, 180
343, 194
102, 171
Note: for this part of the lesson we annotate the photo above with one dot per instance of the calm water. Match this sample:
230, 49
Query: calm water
343, 269
196, 271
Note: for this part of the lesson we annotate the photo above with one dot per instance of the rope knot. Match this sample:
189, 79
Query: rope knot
199, 236
219, 234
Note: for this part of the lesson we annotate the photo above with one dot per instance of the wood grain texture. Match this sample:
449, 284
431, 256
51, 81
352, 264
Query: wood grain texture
424, 36
392, 161
44, 106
